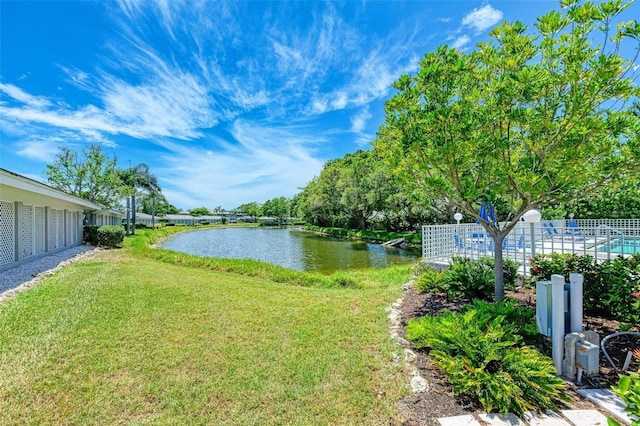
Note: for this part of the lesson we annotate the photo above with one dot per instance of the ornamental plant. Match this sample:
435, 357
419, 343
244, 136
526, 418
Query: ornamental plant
110, 236
611, 287
485, 358
467, 278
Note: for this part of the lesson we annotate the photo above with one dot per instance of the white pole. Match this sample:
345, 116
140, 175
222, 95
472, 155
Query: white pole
576, 297
557, 326
533, 239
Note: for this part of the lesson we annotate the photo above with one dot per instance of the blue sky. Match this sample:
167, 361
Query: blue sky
227, 102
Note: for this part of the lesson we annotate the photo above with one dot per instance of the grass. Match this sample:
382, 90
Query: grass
125, 338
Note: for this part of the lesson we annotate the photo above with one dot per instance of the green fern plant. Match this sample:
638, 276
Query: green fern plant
484, 356
521, 318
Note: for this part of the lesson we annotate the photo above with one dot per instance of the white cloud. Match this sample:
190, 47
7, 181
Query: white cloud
266, 162
40, 150
482, 19
371, 81
170, 103
478, 21
86, 119
23, 97
461, 41
359, 121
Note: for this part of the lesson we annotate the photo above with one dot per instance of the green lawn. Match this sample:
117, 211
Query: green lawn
124, 339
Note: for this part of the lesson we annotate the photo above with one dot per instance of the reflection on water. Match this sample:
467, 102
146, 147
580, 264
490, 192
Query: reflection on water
291, 248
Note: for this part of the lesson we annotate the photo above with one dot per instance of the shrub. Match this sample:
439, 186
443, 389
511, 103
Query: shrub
611, 287
90, 234
110, 236
483, 357
521, 318
470, 278
429, 281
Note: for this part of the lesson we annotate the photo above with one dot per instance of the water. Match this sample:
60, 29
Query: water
622, 246
291, 248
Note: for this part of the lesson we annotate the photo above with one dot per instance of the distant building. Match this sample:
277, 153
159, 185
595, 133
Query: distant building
37, 219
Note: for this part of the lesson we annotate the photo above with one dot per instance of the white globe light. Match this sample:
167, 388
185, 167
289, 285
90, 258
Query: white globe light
458, 216
532, 216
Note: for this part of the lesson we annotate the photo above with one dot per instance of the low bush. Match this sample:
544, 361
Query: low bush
521, 318
468, 278
110, 236
90, 234
484, 357
611, 287
428, 281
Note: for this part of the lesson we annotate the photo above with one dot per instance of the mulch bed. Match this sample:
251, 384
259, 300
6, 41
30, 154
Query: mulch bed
426, 407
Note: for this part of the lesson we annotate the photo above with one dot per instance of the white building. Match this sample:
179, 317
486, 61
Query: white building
37, 219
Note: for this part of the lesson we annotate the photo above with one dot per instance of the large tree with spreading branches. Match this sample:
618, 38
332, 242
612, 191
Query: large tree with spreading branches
530, 118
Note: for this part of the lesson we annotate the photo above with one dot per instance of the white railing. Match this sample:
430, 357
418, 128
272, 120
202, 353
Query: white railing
600, 238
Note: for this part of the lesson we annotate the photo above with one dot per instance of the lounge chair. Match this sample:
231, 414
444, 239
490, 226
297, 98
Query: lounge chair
459, 245
552, 232
573, 229
519, 245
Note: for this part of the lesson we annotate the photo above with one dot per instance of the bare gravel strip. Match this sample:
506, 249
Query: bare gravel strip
27, 275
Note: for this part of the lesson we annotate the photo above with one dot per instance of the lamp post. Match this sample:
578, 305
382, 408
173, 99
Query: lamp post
458, 217
533, 216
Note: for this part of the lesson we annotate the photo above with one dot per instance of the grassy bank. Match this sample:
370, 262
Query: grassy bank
126, 338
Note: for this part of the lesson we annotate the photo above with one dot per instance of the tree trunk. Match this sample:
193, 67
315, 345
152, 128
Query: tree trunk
498, 269
133, 215
128, 227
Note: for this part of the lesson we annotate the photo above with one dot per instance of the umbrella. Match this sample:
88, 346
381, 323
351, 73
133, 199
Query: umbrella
486, 211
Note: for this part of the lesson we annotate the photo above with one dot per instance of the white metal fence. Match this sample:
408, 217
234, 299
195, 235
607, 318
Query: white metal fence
600, 238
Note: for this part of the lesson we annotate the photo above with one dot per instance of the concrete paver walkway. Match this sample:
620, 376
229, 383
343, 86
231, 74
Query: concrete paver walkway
565, 418
604, 398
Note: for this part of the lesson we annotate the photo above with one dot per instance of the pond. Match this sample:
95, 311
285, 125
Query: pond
288, 247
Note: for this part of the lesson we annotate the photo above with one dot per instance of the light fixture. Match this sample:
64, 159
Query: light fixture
533, 216
458, 217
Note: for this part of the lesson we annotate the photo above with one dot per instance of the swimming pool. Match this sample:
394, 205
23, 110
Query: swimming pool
622, 246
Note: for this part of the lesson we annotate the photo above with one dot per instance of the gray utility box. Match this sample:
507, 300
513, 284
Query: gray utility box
588, 357
544, 307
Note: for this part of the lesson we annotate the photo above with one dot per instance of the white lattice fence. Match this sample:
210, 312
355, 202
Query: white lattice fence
25, 216
69, 229
7, 227
53, 229
38, 230
59, 228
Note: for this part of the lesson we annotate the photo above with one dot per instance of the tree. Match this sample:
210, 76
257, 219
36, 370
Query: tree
279, 208
253, 209
360, 187
90, 175
319, 203
619, 199
133, 179
526, 120
199, 211
157, 203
